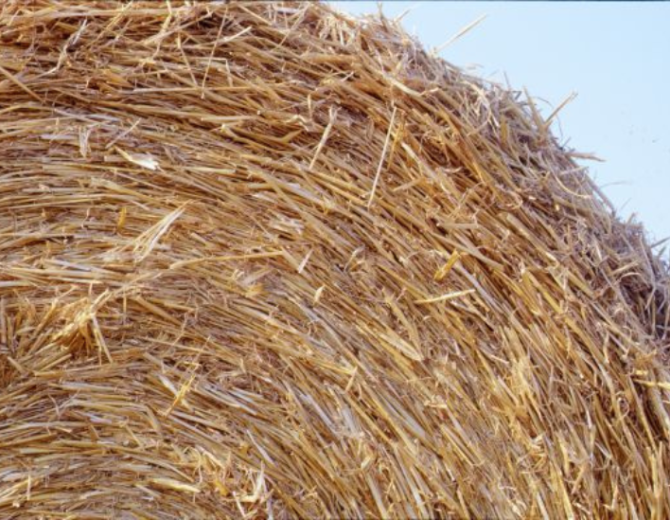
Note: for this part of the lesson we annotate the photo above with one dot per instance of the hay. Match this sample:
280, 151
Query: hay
264, 259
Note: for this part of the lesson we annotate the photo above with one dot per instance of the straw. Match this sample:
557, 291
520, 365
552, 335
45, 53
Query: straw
264, 259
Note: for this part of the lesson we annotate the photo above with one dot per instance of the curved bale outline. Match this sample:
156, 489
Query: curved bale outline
267, 260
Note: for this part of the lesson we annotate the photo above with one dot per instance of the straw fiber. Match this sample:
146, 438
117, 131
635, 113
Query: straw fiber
266, 260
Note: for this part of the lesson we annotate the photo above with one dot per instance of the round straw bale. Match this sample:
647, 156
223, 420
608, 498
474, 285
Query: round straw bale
265, 260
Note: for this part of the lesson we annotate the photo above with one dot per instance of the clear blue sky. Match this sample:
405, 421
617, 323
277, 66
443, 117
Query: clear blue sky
616, 56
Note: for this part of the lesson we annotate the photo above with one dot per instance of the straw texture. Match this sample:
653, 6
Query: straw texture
265, 260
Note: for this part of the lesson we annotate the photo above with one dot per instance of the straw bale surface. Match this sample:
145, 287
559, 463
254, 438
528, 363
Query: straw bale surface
263, 259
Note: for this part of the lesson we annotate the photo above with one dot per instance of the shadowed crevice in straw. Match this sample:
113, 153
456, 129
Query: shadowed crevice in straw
266, 260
